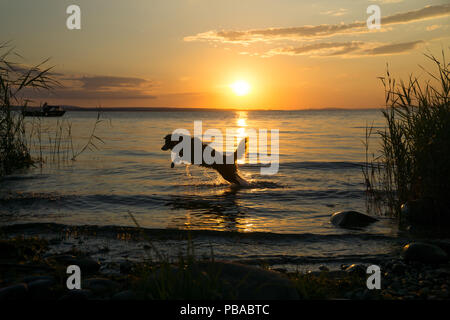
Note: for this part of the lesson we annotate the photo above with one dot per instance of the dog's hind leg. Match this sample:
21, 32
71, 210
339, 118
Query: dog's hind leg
241, 181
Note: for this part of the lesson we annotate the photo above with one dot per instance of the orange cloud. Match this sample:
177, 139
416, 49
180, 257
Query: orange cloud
352, 48
319, 31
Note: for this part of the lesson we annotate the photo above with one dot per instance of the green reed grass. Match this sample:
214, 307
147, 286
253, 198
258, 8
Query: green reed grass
415, 145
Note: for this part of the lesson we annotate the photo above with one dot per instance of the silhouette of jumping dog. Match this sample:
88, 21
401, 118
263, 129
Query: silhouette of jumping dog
228, 171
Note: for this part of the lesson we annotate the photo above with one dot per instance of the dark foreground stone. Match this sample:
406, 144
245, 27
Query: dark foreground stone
100, 286
14, 292
424, 212
413, 277
86, 264
7, 250
40, 289
356, 269
125, 295
253, 283
77, 295
424, 252
222, 280
351, 219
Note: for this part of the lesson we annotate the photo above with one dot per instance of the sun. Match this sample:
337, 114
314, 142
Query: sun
240, 88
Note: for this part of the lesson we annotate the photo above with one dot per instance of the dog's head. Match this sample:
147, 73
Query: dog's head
169, 144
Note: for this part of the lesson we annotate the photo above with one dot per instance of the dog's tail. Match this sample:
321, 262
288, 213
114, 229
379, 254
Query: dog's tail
241, 150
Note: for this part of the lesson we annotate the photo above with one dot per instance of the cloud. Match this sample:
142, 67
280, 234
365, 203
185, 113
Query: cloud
395, 48
428, 12
318, 49
97, 88
23, 69
353, 48
433, 27
336, 13
77, 94
387, 1
275, 33
67, 86
319, 31
108, 82
105, 87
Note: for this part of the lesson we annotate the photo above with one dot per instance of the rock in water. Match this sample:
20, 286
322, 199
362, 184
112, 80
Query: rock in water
421, 212
356, 269
351, 219
424, 252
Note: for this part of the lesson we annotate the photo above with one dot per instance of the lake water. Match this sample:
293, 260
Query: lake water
320, 158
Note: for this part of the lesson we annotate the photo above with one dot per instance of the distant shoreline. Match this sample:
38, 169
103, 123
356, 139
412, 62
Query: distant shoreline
175, 109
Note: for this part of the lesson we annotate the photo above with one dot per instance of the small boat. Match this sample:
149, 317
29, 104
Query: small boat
46, 111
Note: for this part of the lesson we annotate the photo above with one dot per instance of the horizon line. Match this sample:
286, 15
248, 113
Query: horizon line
149, 109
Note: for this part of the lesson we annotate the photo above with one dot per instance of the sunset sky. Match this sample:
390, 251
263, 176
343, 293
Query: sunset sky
187, 53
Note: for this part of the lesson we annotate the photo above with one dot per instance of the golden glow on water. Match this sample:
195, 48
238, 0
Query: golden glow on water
241, 133
248, 227
312, 146
187, 223
241, 122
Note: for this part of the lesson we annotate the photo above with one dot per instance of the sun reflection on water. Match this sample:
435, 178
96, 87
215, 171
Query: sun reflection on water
241, 122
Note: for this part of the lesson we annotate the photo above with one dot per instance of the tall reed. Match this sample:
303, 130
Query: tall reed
415, 145
52, 141
26, 143
15, 80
